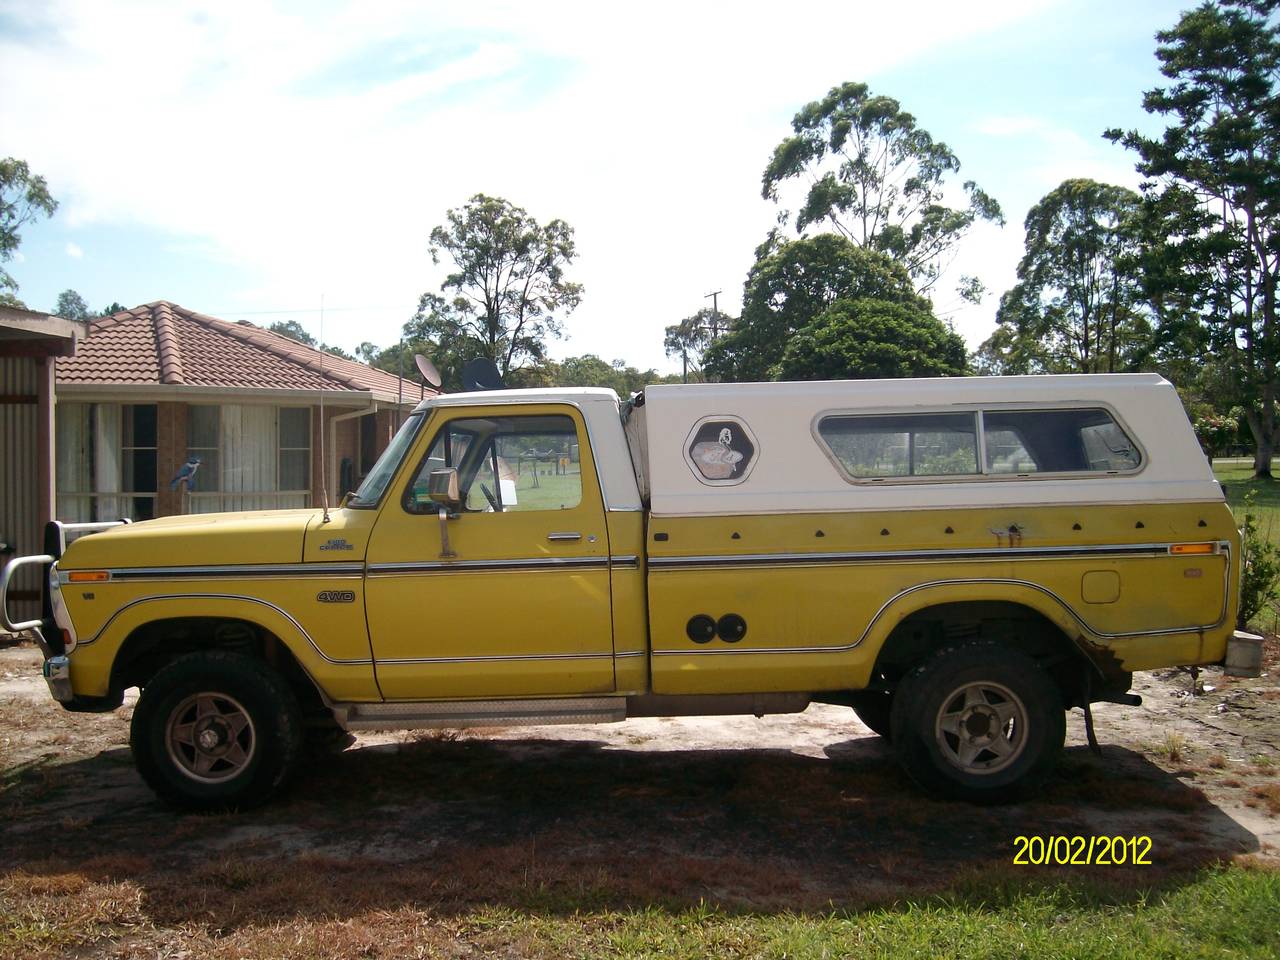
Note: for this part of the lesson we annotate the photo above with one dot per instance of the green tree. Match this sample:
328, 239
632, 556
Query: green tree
115, 306
878, 179
509, 280
589, 370
1214, 176
24, 196
871, 339
71, 306
436, 331
688, 340
790, 285
296, 331
1079, 304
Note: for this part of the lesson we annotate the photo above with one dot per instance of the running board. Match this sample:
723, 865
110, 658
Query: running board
409, 715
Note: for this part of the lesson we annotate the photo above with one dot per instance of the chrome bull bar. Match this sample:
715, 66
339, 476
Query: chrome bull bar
6, 575
55, 541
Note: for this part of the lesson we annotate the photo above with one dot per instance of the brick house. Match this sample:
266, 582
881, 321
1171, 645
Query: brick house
151, 387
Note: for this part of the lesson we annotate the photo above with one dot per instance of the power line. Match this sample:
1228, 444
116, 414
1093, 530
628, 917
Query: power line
312, 310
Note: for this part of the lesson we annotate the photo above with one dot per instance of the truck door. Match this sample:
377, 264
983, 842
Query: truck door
523, 606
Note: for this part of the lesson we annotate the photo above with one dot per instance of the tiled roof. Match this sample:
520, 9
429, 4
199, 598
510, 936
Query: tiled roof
163, 343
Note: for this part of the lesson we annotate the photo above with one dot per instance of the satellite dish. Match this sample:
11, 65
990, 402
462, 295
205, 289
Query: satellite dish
427, 369
482, 374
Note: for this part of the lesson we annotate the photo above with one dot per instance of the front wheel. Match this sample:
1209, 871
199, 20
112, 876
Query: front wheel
981, 722
216, 730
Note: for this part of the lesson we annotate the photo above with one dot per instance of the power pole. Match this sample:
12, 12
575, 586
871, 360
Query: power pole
715, 312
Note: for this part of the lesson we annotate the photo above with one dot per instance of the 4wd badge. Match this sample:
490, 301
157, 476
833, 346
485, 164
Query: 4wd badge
336, 596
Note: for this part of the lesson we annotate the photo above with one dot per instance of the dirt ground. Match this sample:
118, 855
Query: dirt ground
792, 812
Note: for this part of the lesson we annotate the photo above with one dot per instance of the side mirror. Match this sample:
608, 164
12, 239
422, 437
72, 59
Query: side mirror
442, 488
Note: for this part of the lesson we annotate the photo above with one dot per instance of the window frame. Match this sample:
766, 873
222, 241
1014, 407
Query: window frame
977, 410
580, 427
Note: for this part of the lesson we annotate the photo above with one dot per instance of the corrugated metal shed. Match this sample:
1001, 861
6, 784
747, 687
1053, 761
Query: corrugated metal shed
28, 343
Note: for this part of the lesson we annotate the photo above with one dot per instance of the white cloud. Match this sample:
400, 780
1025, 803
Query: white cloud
73, 250
644, 127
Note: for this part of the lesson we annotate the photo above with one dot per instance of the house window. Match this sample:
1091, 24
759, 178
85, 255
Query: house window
106, 461
252, 457
203, 428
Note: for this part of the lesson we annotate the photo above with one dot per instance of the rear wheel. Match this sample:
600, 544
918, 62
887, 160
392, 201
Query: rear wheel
216, 730
981, 722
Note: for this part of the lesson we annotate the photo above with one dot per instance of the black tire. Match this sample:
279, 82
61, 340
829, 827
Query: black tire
874, 708
215, 731
980, 722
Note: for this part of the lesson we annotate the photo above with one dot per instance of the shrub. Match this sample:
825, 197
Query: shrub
1261, 567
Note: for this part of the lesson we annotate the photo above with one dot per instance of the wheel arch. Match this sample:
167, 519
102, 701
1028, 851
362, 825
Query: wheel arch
928, 618
147, 635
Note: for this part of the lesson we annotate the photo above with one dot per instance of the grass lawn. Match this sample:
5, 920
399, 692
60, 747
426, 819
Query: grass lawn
1228, 911
553, 492
1237, 479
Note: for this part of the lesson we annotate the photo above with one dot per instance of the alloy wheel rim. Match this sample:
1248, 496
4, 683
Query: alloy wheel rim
981, 727
210, 737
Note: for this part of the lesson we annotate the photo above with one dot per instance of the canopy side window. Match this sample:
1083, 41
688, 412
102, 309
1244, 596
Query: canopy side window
902, 445
1087, 440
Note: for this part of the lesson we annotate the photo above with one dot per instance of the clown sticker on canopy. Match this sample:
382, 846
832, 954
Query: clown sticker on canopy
721, 451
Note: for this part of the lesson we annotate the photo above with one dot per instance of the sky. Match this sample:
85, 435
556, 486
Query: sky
256, 160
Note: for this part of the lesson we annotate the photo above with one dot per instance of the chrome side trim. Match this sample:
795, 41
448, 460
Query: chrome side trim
842, 647
628, 653
496, 658
625, 563
226, 596
882, 556
237, 571
521, 563
409, 714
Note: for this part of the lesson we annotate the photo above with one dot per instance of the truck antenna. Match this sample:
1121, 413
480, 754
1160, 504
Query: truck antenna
324, 464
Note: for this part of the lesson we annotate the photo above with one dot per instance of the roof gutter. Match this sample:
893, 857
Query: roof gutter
333, 439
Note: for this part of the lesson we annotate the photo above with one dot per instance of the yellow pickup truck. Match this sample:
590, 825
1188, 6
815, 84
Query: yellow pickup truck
959, 561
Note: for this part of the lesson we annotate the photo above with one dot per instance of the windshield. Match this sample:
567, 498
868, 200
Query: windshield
375, 483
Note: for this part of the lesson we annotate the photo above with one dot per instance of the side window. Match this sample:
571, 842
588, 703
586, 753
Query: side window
902, 445
1057, 441
504, 464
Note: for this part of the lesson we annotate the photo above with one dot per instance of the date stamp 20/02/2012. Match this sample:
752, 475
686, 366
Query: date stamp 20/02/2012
1083, 851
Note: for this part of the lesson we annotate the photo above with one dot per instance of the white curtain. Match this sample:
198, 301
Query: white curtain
248, 457
71, 446
106, 453
87, 461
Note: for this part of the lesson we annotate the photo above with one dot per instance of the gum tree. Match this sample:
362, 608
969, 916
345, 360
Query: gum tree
1213, 179
880, 180
508, 282
1079, 304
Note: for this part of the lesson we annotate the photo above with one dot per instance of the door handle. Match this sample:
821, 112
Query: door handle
562, 537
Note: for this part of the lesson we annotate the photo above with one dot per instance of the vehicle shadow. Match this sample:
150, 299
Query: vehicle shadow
567, 825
